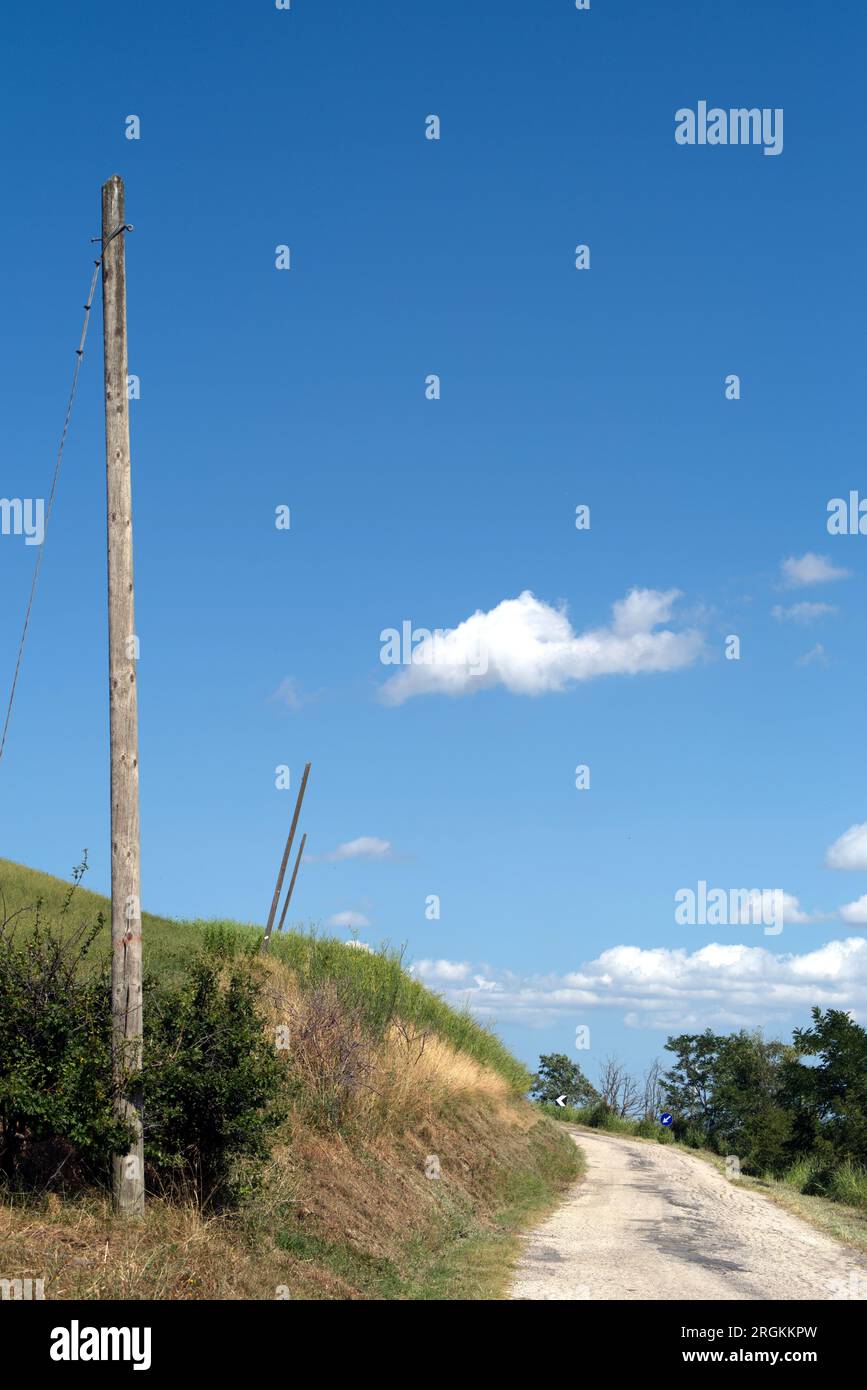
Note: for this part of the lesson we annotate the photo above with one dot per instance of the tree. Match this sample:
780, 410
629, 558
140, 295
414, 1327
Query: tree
830, 1096
559, 1076
748, 1118
618, 1090
728, 1092
690, 1083
653, 1091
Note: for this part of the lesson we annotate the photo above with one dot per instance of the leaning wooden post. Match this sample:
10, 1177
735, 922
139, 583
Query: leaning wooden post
292, 883
275, 900
126, 991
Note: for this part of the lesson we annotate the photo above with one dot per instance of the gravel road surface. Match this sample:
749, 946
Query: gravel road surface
649, 1221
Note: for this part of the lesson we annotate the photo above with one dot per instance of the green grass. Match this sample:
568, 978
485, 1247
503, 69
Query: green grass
847, 1183
592, 1118
375, 982
478, 1264
801, 1174
370, 1275
458, 1243
459, 1257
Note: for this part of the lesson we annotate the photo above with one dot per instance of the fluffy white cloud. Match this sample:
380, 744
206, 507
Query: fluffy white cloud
717, 985
793, 913
530, 648
855, 912
850, 851
348, 919
365, 847
760, 905
802, 612
360, 946
435, 972
799, 571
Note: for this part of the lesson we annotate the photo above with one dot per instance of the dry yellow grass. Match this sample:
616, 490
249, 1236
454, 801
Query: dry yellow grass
347, 1208
390, 1085
334, 1219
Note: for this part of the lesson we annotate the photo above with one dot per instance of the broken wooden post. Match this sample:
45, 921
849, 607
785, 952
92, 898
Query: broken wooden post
292, 883
281, 875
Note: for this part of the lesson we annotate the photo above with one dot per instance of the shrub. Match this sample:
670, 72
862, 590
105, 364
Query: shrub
801, 1173
209, 1085
601, 1116
819, 1179
762, 1141
566, 1112
209, 1081
57, 1118
848, 1183
333, 1052
650, 1128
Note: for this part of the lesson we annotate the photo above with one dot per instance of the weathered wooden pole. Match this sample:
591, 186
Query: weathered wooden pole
292, 882
282, 874
126, 990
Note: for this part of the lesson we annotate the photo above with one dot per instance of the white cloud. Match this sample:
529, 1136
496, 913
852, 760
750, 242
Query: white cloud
800, 571
441, 971
717, 985
760, 905
802, 612
855, 912
850, 851
348, 919
365, 847
360, 946
793, 913
530, 647
289, 693
815, 654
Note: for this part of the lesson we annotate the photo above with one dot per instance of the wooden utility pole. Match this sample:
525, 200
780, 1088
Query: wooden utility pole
126, 991
292, 882
282, 874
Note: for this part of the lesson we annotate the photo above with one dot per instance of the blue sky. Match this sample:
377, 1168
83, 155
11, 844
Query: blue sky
559, 387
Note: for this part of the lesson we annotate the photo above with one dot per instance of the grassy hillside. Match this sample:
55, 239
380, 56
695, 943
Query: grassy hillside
385, 1076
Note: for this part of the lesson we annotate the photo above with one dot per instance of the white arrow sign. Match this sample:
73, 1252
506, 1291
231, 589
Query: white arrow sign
561, 1101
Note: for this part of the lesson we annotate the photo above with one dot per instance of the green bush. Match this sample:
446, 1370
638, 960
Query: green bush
762, 1141
801, 1174
57, 1117
848, 1183
650, 1128
209, 1082
603, 1117
693, 1136
209, 1086
568, 1113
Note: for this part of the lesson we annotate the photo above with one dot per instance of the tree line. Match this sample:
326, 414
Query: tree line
793, 1110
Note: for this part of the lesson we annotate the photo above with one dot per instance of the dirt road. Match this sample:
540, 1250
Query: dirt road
652, 1222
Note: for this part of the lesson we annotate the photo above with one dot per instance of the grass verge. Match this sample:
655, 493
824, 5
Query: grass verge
382, 1078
